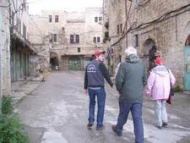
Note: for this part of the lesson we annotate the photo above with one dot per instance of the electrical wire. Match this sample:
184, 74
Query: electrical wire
160, 19
34, 23
31, 17
32, 2
3, 6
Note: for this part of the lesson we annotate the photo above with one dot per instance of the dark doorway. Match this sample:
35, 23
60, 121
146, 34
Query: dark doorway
149, 53
54, 61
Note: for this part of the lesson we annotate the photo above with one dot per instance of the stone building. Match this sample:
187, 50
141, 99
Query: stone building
21, 48
69, 38
115, 13
5, 79
15, 49
163, 24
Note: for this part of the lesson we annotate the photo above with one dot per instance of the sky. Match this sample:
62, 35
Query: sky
36, 6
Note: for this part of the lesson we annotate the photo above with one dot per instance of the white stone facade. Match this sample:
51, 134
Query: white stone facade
56, 36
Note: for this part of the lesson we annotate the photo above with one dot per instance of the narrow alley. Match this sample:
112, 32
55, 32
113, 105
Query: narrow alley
56, 112
46, 45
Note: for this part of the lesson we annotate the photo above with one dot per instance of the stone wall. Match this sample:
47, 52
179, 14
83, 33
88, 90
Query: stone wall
5, 78
169, 34
115, 13
70, 23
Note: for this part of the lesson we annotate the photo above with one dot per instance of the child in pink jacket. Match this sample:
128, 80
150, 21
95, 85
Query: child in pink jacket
158, 88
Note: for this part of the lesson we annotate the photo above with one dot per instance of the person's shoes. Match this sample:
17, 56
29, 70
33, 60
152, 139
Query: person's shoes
114, 130
100, 128
159, 127
89, 125
164, 124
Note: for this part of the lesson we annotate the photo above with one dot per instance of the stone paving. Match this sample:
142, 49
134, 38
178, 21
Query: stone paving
56, 112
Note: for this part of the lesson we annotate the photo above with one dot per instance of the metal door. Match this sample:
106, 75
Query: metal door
187, 67
74, 63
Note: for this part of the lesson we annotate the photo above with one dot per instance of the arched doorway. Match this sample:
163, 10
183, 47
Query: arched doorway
74, 63
187, 64
149, 53
54, 61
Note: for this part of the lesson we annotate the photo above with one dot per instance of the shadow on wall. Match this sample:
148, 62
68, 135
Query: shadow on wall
38, 65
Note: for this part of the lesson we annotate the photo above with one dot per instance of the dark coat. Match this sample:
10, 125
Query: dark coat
95, 73
131, 79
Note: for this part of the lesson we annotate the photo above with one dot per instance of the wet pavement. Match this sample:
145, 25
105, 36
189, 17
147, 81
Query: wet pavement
57, 110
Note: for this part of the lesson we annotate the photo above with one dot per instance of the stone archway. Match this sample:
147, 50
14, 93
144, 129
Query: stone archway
149, 53
187, 42
54, 61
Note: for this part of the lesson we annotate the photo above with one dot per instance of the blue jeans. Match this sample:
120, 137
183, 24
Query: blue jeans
136, 110
101, 96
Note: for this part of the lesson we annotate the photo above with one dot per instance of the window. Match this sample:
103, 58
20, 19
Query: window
136, 40
13, 18
96, 19
50, 18
74, 39
50, 40
18, 25
79, 50
77, 39
120, 58
119, 28
57, 18
54, 37
96, 39
24, 31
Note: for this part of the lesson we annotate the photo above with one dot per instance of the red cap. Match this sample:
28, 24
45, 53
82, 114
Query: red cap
98, 53
158, 60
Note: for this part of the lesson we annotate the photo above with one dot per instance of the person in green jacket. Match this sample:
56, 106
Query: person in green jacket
130, 81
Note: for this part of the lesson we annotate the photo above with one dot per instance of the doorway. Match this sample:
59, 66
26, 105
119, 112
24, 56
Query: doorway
149, 53
54, 61
187, 64
74, 63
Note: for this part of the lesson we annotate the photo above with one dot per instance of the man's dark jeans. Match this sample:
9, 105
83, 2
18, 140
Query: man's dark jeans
136, 110
101, 96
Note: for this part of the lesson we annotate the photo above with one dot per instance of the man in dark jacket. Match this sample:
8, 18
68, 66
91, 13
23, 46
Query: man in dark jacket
130, 81
95, 73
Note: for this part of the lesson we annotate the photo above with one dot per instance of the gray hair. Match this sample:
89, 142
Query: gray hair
130, 50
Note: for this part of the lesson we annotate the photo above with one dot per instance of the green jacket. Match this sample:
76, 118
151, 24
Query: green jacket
131, 79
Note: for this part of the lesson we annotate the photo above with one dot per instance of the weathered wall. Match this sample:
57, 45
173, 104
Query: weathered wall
80, 23
168, 34
115, 13
5, 84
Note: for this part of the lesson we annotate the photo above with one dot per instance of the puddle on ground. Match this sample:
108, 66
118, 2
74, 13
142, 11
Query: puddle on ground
52, 136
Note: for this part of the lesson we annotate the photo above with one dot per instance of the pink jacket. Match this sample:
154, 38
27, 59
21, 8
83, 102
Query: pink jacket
158, 85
